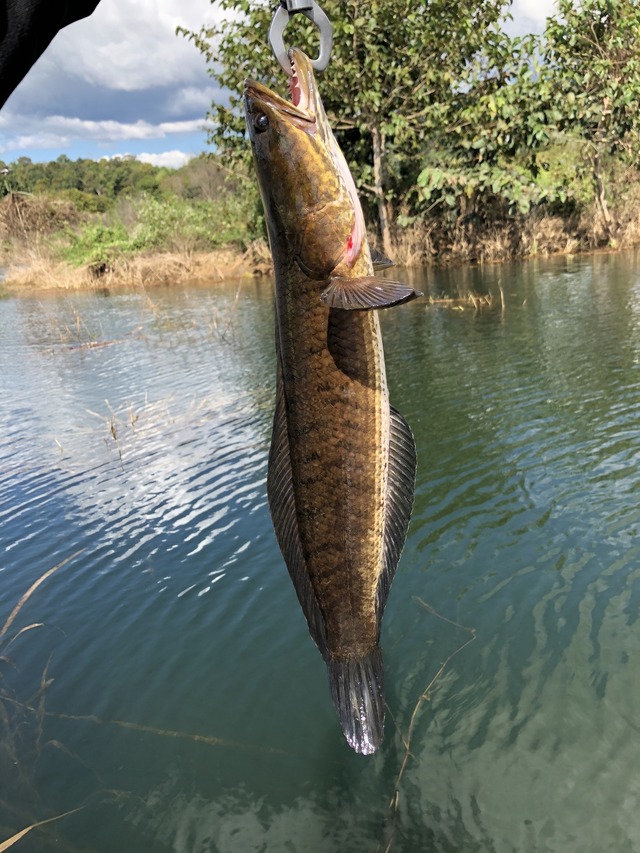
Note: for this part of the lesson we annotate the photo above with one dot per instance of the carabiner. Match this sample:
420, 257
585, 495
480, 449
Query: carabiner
311, 10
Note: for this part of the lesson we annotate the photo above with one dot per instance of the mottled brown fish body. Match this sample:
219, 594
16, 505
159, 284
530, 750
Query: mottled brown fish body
342, 461
338, 425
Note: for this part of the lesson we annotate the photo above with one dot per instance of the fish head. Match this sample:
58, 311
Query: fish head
307, 203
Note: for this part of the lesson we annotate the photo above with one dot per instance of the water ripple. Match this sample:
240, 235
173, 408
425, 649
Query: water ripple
149, 452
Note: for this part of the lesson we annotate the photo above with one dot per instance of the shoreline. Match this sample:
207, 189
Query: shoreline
37, 274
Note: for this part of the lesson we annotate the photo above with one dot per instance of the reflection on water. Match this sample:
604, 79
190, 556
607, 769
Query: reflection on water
166, 682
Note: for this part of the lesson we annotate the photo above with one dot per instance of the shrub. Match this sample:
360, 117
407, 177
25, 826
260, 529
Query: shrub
187, 226
97, 244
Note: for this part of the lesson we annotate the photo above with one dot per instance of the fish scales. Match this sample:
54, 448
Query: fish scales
342, 460
338, 435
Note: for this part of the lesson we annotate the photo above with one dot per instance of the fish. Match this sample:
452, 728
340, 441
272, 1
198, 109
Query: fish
342, 461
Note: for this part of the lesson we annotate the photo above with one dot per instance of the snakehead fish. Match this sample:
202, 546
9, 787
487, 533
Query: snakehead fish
342, 460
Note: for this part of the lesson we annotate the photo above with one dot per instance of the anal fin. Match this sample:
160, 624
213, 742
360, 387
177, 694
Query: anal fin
283, 514
367, 293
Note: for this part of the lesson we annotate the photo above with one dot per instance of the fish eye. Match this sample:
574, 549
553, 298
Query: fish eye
261, 122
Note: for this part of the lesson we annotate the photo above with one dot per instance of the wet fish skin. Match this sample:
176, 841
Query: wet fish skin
342, 461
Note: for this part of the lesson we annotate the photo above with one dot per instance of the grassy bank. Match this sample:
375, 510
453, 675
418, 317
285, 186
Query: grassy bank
51, 242
118, 222
539, 234
33, 269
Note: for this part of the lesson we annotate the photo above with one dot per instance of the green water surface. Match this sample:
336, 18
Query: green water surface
167, 686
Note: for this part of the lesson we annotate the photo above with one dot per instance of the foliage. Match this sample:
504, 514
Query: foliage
94, 212
395, 70
170, 224
441, 114
185, 226
83, 180
577, 87
86, 202
591, 73
97, 244
203, 177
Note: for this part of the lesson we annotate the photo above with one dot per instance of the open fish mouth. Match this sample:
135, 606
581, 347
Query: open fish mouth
299, 109
299, 82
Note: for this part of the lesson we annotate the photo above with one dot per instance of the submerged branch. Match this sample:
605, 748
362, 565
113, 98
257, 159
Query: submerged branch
425, 696
208, 740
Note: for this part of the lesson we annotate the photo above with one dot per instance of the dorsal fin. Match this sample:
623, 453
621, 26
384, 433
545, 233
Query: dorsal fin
380, 261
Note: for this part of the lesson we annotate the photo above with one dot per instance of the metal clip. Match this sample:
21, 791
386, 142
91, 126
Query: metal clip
311, 10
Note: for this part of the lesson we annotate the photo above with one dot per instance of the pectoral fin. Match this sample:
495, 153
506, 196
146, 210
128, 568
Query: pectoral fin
365, 294
400, 489
283, 513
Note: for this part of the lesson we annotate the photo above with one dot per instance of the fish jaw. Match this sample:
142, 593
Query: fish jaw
259, 94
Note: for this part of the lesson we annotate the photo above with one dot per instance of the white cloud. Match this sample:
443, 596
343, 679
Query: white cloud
131, 44
172, 159
531, 15
59, 131
120, 74
190, 99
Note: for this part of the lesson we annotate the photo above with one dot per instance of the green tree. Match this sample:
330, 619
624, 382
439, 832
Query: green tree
482, 160
591, 72
203, 177
395, 70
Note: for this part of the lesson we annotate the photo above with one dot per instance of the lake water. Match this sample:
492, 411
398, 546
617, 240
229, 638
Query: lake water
167, 686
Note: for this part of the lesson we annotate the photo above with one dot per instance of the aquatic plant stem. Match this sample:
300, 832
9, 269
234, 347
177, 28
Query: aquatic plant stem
5, 845
16, 610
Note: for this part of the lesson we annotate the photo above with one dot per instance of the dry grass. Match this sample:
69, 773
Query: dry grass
32, 264
24, 216
35, 268
630, 231
469, 299
12, 724
432, 242
27, 595
5, 845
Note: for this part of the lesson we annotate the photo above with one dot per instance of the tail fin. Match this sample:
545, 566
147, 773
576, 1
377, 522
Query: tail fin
357, 690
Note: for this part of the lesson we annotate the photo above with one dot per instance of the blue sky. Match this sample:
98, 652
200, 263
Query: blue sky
121, 82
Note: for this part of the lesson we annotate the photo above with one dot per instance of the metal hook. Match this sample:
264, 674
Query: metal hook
311, 10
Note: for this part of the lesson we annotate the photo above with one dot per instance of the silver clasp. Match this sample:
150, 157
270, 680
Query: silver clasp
311, 10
